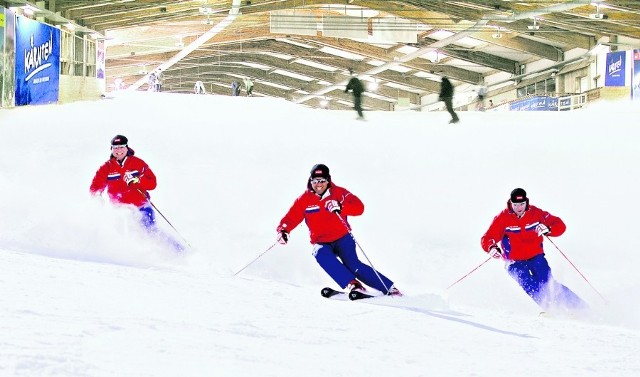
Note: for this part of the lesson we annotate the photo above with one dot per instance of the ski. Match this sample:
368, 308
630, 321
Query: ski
357, 295
353, 295
330, 292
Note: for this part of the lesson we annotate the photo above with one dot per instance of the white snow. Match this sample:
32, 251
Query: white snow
84, 292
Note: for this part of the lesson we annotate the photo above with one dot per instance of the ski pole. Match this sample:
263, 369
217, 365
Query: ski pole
575, 268
165, 219
470, 272
256, 258
363, 253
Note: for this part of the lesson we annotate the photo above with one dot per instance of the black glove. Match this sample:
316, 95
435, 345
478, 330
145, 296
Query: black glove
333, 206
495, 252
130, 179
283, 237
542, 229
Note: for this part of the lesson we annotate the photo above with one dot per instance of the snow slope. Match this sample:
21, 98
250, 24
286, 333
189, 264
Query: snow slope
83, 292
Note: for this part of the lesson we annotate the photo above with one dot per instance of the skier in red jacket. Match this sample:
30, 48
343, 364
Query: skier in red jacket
126, 179
516, 236
325, 207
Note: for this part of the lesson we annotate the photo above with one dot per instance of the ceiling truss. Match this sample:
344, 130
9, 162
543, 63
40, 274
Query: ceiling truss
144, 34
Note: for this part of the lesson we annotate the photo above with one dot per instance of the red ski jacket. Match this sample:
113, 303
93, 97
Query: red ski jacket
110, 177
518, 236
324, 226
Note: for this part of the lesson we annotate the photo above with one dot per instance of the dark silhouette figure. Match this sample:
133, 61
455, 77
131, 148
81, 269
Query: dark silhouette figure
446, 95
355, 85
235, 88
482, 93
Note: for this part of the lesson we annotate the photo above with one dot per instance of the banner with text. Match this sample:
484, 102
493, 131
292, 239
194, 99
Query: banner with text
615, 69
37, 62
538, 103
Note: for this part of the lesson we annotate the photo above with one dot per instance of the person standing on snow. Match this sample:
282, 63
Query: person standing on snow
235, 88
198, 88
159, 80
482, 93
126, 179
516, 236
446, 95
355, 85
248, 85
152, 82
324, 207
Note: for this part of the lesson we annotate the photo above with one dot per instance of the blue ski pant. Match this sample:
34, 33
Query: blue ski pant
148, 221
534, 276
340, 260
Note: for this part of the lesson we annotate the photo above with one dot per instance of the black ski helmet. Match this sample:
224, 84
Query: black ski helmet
518, 195
320, 171
119, 140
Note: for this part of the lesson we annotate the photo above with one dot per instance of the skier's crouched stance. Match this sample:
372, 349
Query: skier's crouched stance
127, 180
325, 207
516, 236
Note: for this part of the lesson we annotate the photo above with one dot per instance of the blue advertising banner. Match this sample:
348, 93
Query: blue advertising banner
635, 82
37, 62
614, 75
565, 102
538, 103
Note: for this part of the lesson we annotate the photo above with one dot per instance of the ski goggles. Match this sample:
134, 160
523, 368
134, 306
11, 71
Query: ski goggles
315, 181
118, 146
